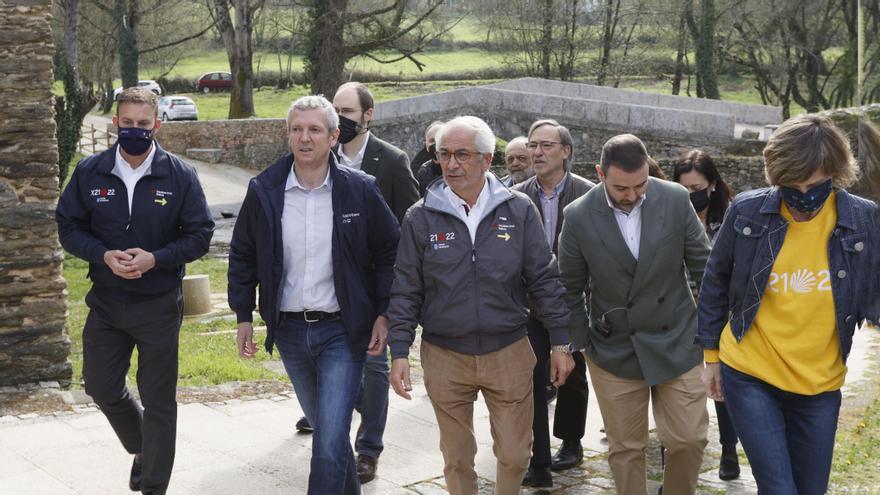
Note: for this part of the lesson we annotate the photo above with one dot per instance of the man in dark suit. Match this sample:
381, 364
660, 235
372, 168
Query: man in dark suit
359, 149
362, 150
623, 251
550, 149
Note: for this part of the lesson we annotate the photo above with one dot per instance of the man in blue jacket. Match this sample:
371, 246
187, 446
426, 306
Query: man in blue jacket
320, 242
137, 214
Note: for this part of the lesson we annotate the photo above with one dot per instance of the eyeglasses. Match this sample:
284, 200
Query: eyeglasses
545, 145
461, 156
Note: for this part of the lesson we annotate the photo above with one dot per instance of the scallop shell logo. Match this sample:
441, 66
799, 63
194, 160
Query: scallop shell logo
802, 281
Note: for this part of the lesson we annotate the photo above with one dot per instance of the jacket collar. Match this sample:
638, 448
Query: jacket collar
161, 166
846, 217
435, 197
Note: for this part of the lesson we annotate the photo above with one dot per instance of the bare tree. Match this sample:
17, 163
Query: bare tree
702, 29
339, 33
609, 27
237, 39
78, 98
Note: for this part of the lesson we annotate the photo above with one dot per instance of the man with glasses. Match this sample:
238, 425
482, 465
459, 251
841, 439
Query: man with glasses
517, 161
552, 189
471, 256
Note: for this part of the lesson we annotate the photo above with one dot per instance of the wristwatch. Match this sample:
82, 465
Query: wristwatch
561, 348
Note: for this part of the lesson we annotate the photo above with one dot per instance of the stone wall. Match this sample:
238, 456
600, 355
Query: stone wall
251, 143
33, 306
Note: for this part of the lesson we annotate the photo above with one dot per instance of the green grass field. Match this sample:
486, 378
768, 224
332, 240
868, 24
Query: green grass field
207, 352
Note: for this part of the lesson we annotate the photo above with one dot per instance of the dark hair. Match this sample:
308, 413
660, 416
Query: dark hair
365, 98
701, 162
654, 169
564, 137
624, 151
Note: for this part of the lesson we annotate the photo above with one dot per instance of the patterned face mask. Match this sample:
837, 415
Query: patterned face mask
809, 201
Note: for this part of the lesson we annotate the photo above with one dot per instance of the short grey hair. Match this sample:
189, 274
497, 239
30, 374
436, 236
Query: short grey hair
517, 140
432, 125
564, 137
484, 139
312, 102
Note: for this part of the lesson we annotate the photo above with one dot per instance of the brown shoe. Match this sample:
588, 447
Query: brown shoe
366, 468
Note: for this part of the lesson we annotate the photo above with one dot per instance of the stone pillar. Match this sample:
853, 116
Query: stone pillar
33, 305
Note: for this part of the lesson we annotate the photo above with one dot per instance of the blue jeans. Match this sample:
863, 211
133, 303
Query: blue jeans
326, 375
788, 437
372, 403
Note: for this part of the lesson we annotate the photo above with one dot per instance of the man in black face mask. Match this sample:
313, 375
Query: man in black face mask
137, 214
361, 150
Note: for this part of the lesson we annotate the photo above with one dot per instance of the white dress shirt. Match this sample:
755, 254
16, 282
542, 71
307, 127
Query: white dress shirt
470, 214
358, 159
306, 235
630, 224
130, 176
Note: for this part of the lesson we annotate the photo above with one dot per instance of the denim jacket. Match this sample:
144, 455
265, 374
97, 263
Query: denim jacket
746, 248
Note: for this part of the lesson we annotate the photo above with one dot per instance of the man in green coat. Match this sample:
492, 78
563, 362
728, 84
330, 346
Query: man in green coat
623, 252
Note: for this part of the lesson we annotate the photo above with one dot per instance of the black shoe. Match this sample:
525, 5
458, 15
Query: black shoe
366, 467
539, 477
569, 455
134, 479
303, 425
729, 468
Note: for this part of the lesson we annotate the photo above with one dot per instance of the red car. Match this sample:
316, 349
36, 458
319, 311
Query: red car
214, 81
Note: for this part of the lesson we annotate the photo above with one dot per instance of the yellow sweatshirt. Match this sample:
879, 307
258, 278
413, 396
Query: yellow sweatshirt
793, 342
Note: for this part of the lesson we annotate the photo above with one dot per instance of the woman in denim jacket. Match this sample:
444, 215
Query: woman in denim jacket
784, 289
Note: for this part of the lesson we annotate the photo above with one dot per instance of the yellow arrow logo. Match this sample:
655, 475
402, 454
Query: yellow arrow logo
162, 201
504, 236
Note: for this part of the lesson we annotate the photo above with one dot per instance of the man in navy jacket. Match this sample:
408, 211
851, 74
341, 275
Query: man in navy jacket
137, 214
320, 242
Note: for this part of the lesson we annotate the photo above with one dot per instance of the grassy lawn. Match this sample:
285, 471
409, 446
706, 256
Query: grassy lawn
207, 348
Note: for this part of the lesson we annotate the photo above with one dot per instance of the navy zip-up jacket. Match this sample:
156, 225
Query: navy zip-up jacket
364, 245
169, 218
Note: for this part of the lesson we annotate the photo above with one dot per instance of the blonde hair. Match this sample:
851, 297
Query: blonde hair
807, 143
139, 96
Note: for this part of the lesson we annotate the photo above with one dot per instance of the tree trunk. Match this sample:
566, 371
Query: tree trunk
325, 45
681, 48
77, 101
126, 19
703, 34
607, 36
546, 38
239, 51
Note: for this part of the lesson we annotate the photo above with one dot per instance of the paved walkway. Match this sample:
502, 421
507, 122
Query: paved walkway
249, 446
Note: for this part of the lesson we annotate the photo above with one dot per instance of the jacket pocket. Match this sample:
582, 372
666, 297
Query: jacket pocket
749, 227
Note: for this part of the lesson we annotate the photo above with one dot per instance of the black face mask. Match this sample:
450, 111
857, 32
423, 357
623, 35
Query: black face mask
700, 200
134, 140
348, 129
809, 201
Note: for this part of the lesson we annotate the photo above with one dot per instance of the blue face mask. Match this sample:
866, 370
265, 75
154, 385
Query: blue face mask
134, 140
809, 201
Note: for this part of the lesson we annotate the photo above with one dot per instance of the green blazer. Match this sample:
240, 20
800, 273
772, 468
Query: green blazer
649, 310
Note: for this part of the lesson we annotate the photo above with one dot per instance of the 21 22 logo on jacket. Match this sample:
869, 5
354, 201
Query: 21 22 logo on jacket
440, 241
102, 195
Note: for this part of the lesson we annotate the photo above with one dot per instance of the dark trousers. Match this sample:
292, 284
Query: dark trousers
117, 322
725, 426
570, 418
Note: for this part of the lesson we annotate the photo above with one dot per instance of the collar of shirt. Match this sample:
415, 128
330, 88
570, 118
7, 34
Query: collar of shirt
358, 159
465, 210
556, 189
293, 182
124, 169
638, 205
